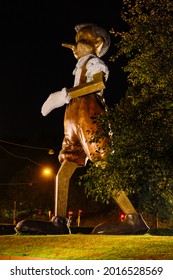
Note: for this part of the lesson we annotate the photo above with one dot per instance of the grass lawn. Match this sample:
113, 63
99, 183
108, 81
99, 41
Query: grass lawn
88, 247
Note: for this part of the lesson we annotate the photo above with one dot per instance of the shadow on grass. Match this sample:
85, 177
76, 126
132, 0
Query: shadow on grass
161, 232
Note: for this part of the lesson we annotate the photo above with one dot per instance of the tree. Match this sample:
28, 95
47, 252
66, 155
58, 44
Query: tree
140, 151
147, 45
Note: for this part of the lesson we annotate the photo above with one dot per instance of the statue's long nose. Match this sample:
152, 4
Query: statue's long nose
69, 46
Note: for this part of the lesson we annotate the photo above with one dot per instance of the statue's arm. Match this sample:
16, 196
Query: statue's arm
96, 74
95, 85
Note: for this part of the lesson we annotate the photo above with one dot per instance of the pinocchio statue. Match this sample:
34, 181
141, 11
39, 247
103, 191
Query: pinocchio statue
84, 101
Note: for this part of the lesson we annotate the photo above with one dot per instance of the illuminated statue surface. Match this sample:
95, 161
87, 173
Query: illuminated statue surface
84, 101
91, 43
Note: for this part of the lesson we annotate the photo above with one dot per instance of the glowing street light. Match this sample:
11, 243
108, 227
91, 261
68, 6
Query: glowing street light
47, 171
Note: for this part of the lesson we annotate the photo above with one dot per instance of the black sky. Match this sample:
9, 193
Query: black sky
33, 64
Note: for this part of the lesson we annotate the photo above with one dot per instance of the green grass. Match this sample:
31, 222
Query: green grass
89, 247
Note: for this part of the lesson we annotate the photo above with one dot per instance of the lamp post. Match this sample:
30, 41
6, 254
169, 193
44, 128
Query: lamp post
14, 213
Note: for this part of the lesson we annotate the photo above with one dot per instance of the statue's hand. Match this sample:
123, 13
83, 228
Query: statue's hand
55, 100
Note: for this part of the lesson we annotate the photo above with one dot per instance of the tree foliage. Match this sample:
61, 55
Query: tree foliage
147, 44
140, 151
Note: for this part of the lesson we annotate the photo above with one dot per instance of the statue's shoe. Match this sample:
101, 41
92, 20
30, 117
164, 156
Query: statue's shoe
132, 224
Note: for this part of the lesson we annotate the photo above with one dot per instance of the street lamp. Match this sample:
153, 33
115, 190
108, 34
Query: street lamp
47, 171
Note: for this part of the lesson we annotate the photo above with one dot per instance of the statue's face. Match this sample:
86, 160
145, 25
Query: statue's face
84, 44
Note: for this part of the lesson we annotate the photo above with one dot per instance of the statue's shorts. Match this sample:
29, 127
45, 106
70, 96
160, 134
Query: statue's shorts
80, 127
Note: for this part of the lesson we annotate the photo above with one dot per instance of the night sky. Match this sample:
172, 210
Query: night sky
33, 63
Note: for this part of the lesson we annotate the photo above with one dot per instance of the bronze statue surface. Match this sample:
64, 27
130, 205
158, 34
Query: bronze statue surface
85, 99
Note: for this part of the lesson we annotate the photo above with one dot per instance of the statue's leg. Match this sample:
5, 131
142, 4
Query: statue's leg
62, 186
124, 203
